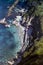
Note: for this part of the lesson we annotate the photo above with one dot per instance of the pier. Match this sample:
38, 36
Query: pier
3, 21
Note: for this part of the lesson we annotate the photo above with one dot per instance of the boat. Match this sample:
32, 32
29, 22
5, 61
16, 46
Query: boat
3, 21
10, 62
7, 25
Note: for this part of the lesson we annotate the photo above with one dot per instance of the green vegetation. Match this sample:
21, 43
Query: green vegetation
36, 56
39, 10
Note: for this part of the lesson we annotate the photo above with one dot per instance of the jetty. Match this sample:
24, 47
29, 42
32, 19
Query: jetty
3, 21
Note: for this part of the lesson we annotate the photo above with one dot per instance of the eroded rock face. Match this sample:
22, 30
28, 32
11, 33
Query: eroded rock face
21, 33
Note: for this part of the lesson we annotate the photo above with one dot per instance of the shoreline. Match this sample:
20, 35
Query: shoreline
21, 36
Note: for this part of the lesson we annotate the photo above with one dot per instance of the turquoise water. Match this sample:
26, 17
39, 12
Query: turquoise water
9, 38
9, 43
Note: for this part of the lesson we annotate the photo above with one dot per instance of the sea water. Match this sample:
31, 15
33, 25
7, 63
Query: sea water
9, 38
9, 43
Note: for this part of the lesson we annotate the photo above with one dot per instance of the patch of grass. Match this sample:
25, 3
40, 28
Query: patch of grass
39, 47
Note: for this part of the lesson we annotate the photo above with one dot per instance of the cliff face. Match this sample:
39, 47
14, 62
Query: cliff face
34, 55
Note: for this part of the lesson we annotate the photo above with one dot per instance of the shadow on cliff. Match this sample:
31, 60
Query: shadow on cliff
37, 28
34, 59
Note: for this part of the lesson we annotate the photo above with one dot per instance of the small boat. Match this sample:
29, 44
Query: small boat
10, 62
7, 25
3, 21
13, 61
